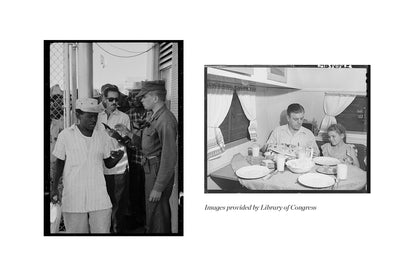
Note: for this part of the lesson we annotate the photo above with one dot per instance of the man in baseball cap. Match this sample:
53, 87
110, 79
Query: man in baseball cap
81, 150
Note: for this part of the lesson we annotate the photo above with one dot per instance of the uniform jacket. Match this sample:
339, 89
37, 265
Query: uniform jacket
159, 139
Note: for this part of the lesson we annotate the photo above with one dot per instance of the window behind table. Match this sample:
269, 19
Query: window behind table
355, 116
235, 125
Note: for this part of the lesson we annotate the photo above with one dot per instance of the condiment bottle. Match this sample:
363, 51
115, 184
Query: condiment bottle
255, 150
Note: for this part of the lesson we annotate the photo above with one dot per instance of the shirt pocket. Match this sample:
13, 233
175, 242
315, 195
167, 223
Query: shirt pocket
149, 137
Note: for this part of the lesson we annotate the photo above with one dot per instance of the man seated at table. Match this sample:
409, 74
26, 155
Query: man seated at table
294, 133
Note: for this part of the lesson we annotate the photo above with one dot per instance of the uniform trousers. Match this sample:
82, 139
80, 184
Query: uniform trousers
91, 222
158, 214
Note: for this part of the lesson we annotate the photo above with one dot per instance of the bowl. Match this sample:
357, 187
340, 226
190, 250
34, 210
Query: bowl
300, 165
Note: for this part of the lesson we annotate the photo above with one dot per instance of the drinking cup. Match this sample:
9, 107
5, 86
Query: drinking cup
280, 161
341, 171
255, 150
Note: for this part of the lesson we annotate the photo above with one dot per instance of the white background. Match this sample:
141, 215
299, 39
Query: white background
349, 234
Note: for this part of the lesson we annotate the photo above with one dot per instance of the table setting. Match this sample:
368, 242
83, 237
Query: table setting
297, 170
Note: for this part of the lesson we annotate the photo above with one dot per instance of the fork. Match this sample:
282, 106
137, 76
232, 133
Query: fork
336, 184
270, 175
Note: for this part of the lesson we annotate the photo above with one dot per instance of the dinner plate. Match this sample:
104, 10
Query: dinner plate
326, 161
316, 180
327, 170
251, 172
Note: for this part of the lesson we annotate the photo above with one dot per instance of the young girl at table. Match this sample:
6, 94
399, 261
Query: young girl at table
337, 147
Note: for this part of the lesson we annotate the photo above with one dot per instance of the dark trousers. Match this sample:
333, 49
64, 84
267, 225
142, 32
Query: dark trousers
137, 193
158, 214
117, 187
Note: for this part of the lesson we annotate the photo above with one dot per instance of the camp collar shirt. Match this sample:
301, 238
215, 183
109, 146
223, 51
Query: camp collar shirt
303, 138
116, 117
83, 179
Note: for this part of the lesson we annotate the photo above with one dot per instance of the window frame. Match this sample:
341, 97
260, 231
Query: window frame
366, 114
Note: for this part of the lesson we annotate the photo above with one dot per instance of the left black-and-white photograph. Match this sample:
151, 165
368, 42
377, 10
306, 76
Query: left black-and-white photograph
114, 158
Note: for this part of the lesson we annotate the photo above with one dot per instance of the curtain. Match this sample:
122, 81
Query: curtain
248, 102
219, 98
334, 105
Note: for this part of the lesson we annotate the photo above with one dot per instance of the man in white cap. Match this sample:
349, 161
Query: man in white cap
81, 151
116, 178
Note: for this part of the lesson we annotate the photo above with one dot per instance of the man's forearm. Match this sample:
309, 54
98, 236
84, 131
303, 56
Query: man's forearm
59, 165
112, 161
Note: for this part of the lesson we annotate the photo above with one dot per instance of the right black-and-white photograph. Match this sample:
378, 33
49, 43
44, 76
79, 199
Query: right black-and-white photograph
287, 128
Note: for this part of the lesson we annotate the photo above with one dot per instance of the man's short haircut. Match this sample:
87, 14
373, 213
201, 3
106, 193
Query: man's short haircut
109, 88
295, 108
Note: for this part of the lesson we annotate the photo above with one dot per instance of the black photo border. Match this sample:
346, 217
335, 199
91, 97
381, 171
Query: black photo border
180, 138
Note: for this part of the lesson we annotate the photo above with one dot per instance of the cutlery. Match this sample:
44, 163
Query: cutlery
335, 185
270, 175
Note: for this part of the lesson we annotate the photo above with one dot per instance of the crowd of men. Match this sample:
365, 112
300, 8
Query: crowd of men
117, 167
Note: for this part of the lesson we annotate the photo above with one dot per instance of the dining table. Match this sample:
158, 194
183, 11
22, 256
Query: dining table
285, 180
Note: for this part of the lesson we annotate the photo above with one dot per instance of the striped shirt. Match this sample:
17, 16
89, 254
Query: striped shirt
116, 117
303, 138
84, 187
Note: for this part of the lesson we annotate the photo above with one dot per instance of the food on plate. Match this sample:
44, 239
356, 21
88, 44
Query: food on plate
268, 163
300, 165
327, 169
286, 149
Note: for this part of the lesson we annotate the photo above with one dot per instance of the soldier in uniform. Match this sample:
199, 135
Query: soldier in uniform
159, 149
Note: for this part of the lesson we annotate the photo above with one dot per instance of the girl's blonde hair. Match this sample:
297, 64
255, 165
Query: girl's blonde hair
338, 128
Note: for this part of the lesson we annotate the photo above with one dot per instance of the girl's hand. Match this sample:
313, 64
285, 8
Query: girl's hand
348, 159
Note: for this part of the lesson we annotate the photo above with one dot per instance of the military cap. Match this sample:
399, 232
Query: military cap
148, 86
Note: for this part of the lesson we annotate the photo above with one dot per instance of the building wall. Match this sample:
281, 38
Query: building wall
111, 69
328, 78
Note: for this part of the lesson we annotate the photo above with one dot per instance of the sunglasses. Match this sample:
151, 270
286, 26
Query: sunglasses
112, 99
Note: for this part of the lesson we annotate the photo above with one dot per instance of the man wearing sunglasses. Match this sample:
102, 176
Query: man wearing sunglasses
117, 177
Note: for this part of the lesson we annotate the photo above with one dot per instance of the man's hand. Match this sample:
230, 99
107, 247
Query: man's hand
117, 154
114, 134
155, 196
54, 196
122, 129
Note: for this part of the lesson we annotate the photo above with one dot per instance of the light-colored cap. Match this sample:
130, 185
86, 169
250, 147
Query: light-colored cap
89, 105
55, 90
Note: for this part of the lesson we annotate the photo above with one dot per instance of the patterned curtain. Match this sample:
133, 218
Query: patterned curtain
247, 99
219, 98
334, 105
